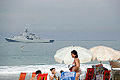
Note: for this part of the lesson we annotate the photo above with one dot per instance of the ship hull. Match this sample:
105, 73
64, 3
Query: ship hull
10, 40
30, 41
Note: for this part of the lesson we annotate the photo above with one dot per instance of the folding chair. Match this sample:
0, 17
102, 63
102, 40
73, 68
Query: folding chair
42, 76
106, 75
22, 76
33, 74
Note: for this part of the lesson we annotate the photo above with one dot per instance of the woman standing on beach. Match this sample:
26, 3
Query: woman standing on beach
76, 64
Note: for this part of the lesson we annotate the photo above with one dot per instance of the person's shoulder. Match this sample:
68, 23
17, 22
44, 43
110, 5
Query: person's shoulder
77, 59
50, 74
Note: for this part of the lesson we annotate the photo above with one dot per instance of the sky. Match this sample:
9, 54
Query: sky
61, 19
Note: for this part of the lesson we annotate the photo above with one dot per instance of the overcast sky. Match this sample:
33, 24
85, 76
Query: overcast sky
62, 19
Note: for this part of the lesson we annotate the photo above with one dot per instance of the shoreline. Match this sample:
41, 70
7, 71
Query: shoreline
43, 68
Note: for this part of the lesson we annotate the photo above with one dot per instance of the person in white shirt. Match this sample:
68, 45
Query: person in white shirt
53, 74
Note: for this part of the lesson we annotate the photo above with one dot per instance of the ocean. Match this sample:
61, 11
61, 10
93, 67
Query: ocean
18, 57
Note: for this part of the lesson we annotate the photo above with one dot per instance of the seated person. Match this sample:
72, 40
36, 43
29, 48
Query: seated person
37, 72
53, 74
60, 74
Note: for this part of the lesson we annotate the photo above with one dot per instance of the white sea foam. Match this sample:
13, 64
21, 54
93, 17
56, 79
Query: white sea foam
30, 68
13, 72
43, 68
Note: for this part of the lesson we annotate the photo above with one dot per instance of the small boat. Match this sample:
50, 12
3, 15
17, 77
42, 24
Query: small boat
28, 38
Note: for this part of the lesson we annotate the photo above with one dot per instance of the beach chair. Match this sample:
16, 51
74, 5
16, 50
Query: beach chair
33, 74
89, 74
68, 76
22, 76
106, 75
42, 76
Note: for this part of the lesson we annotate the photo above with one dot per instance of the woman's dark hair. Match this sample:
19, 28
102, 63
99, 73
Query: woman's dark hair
75, 53
52, 69
61, 71
38, 72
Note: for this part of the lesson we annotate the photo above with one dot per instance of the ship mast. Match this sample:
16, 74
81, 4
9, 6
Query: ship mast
25, 32
26, 29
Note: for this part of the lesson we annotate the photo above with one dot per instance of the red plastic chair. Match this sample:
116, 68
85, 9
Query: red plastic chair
106, 75
22, 76
42, 76
89, 74
33, 74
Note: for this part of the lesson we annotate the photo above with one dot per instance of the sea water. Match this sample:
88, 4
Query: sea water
18, 57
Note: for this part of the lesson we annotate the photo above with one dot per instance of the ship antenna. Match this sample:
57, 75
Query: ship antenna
26, 29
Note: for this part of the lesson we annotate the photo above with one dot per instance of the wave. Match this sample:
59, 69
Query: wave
43, 68
30, 68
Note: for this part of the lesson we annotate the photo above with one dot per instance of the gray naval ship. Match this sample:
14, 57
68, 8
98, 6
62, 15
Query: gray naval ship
28, 38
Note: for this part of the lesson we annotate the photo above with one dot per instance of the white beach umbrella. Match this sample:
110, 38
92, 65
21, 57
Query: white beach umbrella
103, 53
64, 55
118, 55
